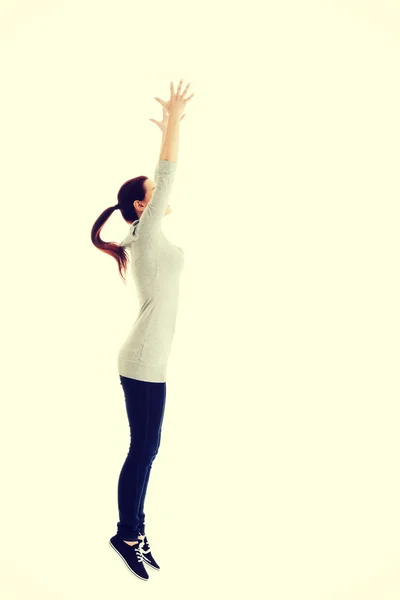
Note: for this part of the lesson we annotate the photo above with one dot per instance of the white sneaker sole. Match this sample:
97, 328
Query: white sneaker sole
149, 563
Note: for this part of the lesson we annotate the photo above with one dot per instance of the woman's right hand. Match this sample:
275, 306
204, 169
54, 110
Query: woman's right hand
177, 103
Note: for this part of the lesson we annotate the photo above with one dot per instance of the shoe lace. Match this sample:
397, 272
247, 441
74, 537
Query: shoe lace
138, 553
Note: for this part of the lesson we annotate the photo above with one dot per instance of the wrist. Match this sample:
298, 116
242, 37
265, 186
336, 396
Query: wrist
175, 117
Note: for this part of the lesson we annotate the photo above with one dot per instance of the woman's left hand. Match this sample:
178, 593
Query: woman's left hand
163, 124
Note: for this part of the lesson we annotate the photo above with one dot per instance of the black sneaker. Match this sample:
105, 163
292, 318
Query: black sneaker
131, 555
146, 553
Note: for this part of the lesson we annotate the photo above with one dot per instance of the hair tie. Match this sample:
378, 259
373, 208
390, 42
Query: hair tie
116, 206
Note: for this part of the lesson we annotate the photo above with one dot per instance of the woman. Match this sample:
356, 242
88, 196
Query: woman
156, 266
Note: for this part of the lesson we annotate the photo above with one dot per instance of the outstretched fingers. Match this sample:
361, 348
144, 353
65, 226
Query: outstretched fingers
190, 97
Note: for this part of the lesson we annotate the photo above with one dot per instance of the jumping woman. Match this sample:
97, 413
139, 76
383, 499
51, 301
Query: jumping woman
156, 266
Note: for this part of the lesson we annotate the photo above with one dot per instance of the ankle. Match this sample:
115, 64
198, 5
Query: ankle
131, 543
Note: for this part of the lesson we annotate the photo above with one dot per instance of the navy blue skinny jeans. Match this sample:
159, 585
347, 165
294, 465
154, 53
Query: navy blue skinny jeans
145, 405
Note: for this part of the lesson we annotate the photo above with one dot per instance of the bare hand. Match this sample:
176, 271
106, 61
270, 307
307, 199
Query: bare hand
177, 102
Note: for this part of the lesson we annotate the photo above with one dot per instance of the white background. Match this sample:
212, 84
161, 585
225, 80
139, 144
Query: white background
278, 471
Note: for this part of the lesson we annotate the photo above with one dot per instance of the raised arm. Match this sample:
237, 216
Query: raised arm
164, 132
170, 145
151, 219
153, 214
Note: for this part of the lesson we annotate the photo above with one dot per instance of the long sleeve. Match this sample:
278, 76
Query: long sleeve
153, 214
156, 171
